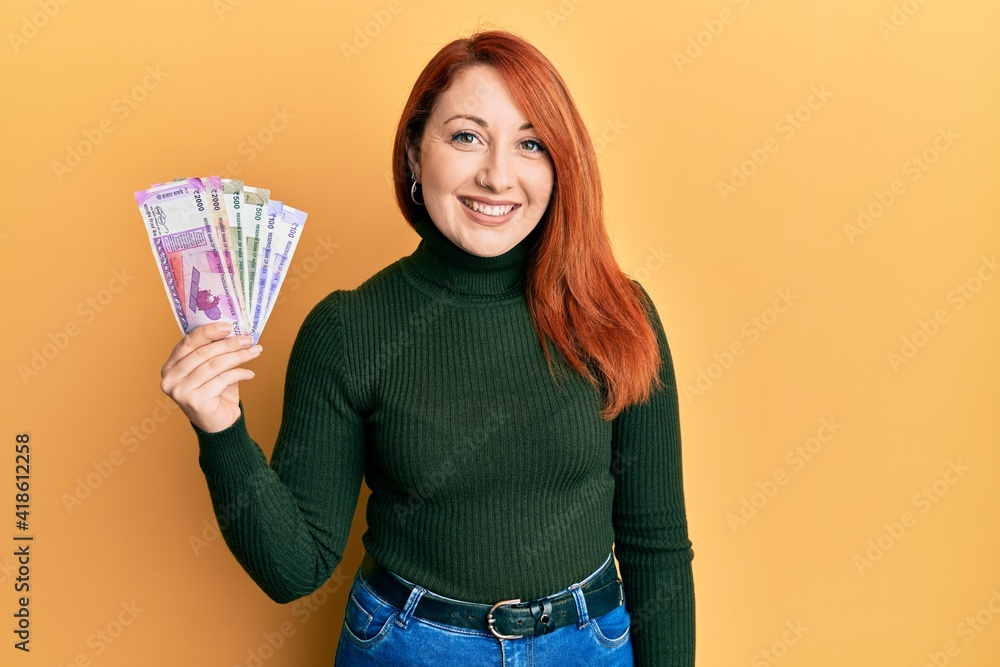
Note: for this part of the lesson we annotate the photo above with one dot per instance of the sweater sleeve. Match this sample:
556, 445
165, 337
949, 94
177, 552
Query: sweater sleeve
287, 523
650, 521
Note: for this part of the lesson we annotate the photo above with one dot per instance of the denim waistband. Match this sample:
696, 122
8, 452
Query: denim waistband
590, 577
596, 594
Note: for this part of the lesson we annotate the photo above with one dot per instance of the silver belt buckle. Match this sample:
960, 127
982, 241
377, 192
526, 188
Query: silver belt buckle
490, 621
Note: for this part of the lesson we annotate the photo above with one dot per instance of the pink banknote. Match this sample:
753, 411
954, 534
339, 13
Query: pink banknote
182, 234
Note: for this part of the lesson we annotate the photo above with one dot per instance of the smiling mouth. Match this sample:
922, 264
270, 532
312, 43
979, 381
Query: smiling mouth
479, 207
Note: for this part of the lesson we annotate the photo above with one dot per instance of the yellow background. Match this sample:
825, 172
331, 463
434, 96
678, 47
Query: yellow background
677, 99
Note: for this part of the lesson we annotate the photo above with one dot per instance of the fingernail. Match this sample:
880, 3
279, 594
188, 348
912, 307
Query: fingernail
223, 327
256, 349
245, 340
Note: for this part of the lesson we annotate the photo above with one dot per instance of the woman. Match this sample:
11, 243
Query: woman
506, 391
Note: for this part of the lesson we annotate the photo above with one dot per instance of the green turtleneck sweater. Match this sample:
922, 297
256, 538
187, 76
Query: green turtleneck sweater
489, 479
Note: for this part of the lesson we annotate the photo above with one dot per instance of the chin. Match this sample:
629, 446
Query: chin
486, 242
489, 249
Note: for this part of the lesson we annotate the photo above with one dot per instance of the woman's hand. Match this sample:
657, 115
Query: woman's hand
202, 375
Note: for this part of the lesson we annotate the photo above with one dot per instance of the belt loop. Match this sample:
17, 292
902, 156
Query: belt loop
410, 606
581, 605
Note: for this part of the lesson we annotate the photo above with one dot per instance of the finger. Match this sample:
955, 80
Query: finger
218, 364
189, 389
194, 339
215, 387
198, 356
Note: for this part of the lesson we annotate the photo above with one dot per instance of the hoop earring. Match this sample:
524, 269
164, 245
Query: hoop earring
413, 191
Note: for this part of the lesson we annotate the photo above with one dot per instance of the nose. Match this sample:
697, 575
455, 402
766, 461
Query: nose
499, 170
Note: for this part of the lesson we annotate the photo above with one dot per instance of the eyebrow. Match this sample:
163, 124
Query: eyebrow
482, 123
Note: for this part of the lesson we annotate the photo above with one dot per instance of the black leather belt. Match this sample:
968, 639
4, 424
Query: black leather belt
508, 619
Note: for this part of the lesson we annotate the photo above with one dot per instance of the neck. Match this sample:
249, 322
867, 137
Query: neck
442, 266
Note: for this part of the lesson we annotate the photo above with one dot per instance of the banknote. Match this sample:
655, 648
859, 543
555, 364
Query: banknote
223, 249
228, 241
255, 201
215, 201
263, 264
233, 197
281, 239
183, 238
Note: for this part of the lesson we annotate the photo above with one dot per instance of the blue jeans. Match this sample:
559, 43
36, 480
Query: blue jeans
377, 633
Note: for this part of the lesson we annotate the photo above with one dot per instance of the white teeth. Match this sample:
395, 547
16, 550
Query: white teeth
488, 210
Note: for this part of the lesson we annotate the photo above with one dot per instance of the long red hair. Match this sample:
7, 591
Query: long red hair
578, 296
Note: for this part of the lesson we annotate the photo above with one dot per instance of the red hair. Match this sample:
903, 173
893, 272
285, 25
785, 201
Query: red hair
577, 295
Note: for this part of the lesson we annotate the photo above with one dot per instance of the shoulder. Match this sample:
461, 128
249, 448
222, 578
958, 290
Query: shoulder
371, 304
353, 326
640, 290
653, 316
647, 302
384, 283
355, 304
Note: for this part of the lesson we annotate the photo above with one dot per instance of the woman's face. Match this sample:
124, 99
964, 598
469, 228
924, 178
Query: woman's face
477, 132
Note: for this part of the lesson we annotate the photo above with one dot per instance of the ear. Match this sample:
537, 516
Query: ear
413, 157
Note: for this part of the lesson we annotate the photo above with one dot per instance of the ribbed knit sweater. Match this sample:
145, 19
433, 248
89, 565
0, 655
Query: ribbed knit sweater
489, 479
